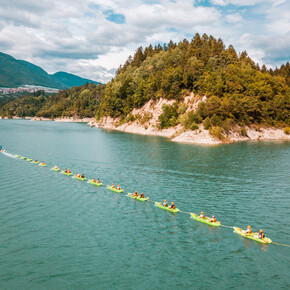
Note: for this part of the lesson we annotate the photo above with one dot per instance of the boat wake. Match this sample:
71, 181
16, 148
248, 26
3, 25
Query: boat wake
8, 154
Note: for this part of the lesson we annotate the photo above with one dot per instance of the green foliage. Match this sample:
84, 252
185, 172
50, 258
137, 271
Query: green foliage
145, 118
207, 123
182, 109
227, 125
191, 121
287, 130
217, 132
130, 118
169, 116
77, 101
243, 132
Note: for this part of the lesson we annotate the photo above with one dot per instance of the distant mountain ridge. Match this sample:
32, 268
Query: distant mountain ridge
15, 73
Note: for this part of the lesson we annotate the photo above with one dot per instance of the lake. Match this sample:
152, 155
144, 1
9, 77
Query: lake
61, 233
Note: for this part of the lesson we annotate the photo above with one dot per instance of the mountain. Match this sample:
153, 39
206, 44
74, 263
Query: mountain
15, 73
71, 80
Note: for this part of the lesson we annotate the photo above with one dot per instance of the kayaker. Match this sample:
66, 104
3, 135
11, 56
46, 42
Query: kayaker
165, 203
83, 176
98, 180
78, 175
94, 180
135, 194
65, 170
55, 167
213, 219
119, 187
248, 231
68, 171
172, 205
113, 185
202, 215
43, 163
261, 235
142, 195
35, 160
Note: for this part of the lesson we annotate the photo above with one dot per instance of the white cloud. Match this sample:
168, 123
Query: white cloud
234, 18
75, 36
237, 2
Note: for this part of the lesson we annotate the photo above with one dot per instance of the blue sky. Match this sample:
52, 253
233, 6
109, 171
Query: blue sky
91, 38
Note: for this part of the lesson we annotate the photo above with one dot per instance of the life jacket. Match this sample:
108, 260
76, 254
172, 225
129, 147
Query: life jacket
261, 235
249, 231
142, 195
214, 220
173, 206
202, 216
165, 204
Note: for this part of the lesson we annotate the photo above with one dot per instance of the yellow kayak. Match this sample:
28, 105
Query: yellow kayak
252, 236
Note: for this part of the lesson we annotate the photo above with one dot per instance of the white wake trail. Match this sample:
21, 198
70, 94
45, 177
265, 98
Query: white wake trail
8, 154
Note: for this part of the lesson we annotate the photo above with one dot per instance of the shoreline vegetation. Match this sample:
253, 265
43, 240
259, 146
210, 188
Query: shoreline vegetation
196, 91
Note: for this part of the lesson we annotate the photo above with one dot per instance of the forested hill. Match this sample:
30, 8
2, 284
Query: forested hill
238, 91
15, 73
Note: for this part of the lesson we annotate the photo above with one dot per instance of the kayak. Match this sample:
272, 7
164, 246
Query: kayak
17, 156
252, 236
23, 158
67, 174
115, 189
95, 183
79, 178
29, 159
35, 162
159, 204
43, 165
205, 220
55, 169
137, 197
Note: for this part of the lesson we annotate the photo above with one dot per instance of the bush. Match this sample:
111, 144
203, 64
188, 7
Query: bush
217, 132
227, 124
169, 116
145, 118
182, 109
207, 123
287, 130
215, 120
193, 126
243, 132
130, 118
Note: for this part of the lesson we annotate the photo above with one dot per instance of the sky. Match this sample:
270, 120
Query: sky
92, 38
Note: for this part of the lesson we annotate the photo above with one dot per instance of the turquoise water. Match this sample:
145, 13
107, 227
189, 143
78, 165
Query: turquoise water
60, 233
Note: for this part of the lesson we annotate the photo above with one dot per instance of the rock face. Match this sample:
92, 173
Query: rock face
145, 122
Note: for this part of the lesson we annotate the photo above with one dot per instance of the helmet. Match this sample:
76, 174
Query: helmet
118, 184
261, 231
172, 202
213, 216
164, 200
248, 227
202, 212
